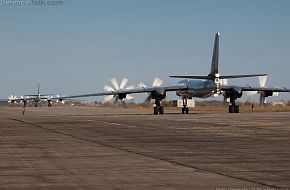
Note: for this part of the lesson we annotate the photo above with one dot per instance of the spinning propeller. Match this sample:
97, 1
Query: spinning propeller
262, 84
156, 83
12, 99
58, 99
23, 99
116, 87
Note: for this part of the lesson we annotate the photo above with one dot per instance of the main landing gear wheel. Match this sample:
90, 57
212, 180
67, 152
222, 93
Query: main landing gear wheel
158, 110
234, 109
185, 110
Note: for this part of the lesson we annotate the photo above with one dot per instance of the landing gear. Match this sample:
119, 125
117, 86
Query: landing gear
185, 109
158, 109
48, 103
35, 105
24, 106
233, 108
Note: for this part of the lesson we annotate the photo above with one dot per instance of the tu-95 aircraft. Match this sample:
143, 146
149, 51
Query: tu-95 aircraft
35, 98
193, 86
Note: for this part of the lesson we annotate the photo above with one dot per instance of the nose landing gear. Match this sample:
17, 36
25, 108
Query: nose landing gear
158, 109
184, 109
233, 108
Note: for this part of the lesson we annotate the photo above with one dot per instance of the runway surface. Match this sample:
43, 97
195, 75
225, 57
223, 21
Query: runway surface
106, 148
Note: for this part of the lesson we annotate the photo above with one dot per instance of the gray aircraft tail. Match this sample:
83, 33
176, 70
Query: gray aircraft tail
215, 56
214, 67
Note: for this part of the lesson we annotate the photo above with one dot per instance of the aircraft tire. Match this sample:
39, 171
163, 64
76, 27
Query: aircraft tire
231, 109
186, 110
156, 110
161, 110
237, 109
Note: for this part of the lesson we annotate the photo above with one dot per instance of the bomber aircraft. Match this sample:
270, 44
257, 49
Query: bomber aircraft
201, 86
35, 98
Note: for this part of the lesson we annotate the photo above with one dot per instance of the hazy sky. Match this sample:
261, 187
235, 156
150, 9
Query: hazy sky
79, 46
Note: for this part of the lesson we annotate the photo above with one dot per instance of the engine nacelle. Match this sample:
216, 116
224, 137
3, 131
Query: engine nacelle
233, 93
159, 94
122, 96
266, 93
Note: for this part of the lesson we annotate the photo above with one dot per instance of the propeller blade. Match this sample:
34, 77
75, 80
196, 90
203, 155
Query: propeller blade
262, 99
123, 83
262, 80
115, 84
12, 98
59, 97
48, 98
115, 100
108, 88
130, 87
141, 85
157, 82
148, 99
251, 93
129, 97
108, 98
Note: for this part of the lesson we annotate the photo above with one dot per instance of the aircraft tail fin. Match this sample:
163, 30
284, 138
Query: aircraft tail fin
38, 88
214, 71
214, 63
215, 56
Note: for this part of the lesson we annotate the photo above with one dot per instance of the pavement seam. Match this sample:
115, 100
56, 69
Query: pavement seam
144, 155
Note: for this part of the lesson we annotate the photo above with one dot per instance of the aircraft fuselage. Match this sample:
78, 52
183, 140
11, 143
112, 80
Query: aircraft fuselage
197, 88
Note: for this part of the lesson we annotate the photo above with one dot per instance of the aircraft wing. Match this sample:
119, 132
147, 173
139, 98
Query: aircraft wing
15, 99
260, 89
127, 91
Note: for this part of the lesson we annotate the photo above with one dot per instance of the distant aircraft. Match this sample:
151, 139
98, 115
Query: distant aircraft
206, 86
35, 98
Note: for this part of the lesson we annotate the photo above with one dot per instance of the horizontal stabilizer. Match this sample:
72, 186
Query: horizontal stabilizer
240, 76
192, 77
31, 95
213, 77
39, 94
